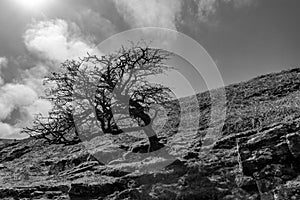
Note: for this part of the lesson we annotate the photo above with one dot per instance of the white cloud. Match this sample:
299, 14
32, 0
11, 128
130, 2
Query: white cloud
53, 41
240, 3
163, 13
7, 131
23, 98
39, 106
155, 13
13, 96
56, 40
208, 8
34, 77
94, 25
3, 64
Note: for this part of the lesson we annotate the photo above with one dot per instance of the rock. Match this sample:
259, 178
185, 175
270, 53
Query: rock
269, 158
69, 163
191, 155
247, 183
37, 193
14, 153
289, 191
2, 166
53, 194
32, 192
265, 148
134, 193
230, 141
83, 167
113, 172
144, 147
293, 141
85, 190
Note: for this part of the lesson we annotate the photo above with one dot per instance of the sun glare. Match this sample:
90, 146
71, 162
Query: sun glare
32, 4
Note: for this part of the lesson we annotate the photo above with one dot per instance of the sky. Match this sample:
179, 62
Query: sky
244, 38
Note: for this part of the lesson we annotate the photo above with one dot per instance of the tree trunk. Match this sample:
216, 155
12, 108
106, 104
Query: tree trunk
138, 113
154, 143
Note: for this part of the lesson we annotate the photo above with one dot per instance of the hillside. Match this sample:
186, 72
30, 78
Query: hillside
257, 157
6, 141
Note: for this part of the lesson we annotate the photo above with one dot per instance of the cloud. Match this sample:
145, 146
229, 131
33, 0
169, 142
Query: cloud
155, 13
3, 64
52, 42
34, 77
24, 99
94, 25
56, 40
7, 131
49, 42
39, 106
240, 3
208, 8
13, 96
166, 13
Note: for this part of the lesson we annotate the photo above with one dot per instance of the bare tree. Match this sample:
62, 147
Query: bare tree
57, 128
116, 86
124, 76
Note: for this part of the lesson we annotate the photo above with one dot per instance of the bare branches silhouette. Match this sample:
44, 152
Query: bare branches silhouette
114, 87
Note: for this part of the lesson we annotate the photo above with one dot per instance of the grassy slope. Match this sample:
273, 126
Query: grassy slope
252, 104
258, 102
263, 101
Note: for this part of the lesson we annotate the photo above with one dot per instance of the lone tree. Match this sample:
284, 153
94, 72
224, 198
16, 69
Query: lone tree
115, 86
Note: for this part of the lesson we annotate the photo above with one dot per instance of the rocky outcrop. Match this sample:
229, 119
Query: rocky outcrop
270, 158
290, 190
256, 164
293, 141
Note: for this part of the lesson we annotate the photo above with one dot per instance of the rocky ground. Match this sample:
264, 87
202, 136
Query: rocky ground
257, 157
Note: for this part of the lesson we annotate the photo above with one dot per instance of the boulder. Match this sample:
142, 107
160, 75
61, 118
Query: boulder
293, 141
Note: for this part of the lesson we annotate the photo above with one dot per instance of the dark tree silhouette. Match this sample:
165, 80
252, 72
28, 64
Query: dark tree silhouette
56, 128
116, 86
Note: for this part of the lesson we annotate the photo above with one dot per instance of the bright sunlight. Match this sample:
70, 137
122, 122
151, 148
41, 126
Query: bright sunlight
32, 4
